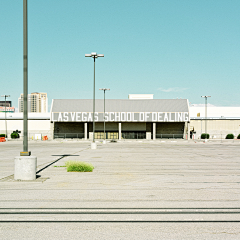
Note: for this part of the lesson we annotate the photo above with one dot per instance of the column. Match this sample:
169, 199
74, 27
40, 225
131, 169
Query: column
119, 131
51, 131
188, 130
184, 130
186, 133
154, 131
85, 131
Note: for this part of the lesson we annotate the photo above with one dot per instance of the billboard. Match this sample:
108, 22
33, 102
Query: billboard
8, 109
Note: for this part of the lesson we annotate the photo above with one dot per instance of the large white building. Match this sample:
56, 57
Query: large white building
37, 102
127, 118
124, 118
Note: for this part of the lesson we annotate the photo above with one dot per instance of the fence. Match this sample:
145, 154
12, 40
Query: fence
174, 135
134, 135
68, 135
113, 135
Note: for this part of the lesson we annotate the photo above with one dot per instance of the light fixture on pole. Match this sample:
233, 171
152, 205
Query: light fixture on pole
94, 55
104, 89
5, 96
205, 114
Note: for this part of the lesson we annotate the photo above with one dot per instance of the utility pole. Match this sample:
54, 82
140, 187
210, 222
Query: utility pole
5, 96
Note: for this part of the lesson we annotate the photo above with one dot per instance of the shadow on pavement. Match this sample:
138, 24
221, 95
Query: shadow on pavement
62, 156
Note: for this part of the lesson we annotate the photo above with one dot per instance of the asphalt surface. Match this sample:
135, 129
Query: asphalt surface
164, 189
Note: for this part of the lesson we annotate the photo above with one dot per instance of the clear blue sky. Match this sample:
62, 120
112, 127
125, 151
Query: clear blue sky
169, 48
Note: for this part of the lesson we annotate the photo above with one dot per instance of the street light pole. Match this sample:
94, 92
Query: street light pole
25, 164
94, 55
104, 89
5, 96
25, 81
205, 114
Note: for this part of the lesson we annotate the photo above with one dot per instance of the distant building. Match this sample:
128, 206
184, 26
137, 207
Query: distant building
8, 103
37, 102
9, 107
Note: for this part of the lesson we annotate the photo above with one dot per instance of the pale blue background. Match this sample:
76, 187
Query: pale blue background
170, 48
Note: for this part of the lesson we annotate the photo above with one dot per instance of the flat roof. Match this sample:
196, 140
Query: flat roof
120, 105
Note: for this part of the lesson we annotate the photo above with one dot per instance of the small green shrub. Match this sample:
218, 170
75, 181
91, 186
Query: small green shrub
2, 135
205, 136
238, 137
14, 135
77, 166
230, 136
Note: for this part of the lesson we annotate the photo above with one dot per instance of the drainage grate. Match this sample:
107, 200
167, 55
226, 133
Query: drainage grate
11, 179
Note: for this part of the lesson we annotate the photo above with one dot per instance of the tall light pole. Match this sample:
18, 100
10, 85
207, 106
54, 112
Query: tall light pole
25, 164
25, 81
205, 114
94, 55
104, 89
5, 96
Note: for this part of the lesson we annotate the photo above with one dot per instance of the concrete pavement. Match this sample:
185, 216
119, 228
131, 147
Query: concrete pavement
171, 189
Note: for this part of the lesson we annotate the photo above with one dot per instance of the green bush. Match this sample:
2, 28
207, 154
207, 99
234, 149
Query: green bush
205, 136
238, 137
230, 136
14, 135
77, 166
2, 135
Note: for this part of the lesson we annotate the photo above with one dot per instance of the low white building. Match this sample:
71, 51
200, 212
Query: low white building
220, 121
38, 123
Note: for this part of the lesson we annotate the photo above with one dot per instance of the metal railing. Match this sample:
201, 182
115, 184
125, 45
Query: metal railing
174, 135
134, 135
68, 135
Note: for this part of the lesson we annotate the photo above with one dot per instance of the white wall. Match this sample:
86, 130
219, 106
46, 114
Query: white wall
41, 126
217, 128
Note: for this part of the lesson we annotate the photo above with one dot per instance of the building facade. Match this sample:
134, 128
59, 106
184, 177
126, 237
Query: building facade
8, 108
8, 103
124, 119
